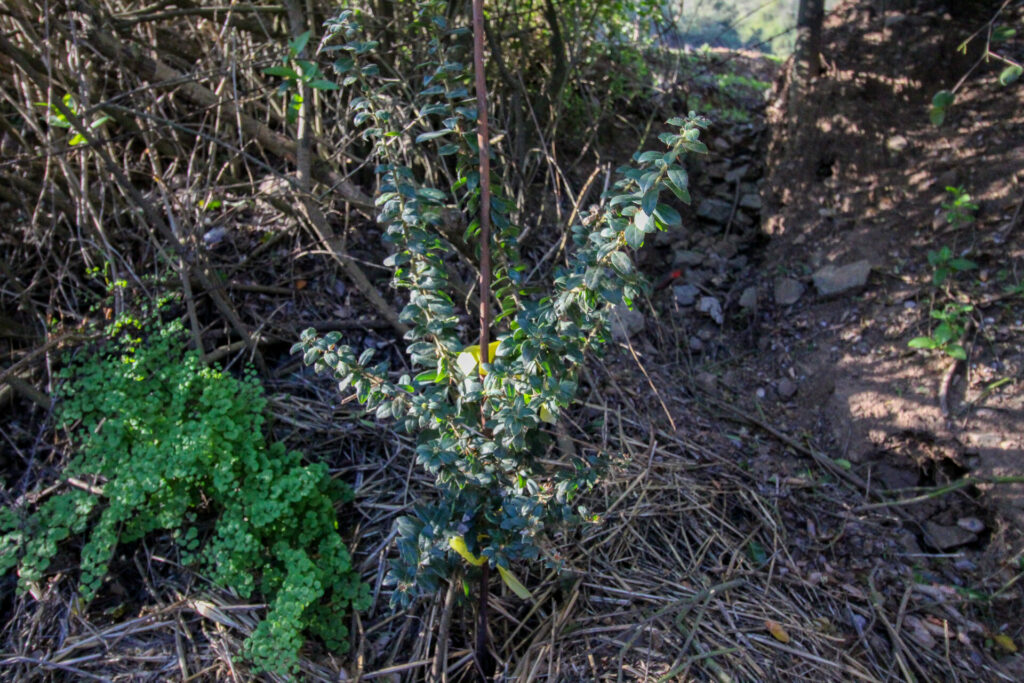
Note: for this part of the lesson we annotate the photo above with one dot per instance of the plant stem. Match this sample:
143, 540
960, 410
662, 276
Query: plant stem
484, 145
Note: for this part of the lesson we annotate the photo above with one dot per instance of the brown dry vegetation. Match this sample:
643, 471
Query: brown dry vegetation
730, 545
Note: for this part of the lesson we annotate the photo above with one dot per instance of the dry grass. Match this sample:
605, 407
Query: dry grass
698, 568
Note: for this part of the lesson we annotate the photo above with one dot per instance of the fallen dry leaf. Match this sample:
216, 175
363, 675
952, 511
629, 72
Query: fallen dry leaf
777, 631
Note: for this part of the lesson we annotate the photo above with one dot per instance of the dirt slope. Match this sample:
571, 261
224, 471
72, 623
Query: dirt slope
863, 179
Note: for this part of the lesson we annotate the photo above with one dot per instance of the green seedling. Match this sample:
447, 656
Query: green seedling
946, 335
960, 209
294, 71
944, 265
56, 118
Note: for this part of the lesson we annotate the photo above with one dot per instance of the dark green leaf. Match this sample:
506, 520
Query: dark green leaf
322, 84
283, 71
643, 222
621, 262
650, 201
922, 343
943, 99
942, 334
679, 178
298, 43
956, 351
431, 194
430, 135
1010, 74
963, 264
668, 216
634, 236
1003, 33
696, 147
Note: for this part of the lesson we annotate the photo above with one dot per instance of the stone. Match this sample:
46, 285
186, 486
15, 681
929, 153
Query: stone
892, 477
725, 248
943, 537
737, 174
751, 201
788, 291
833, 280
717, 171
696, 276
214, 236
696, 345
687, 257
950, 178
721, 144
786, 388
625, 323
972, 524
748, 299
711, 306
714, 210
707, 381
896, 143
686, 295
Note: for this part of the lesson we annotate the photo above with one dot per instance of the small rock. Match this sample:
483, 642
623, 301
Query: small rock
707, 381
892, 477
717, 171
625, 323
696, 276
896, 143
725, 191
742, 219
725, 248
894, 19
706, 333
737, 174
214, 236
786, 388
948, 179
942, 537
714, 210
686, 257
788, 291
748, 299
721, 144
918, 633
760, 393
832, 280
686, 295
972, 524
696, 344
738, 263
751, 201
711, 306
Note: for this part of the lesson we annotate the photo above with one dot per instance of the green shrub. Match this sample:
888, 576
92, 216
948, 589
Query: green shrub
166, 444
477, 424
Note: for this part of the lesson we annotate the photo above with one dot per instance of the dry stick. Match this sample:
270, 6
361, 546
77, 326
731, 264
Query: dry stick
438, 671
152, 215
159, 74
311, 210
483, 655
